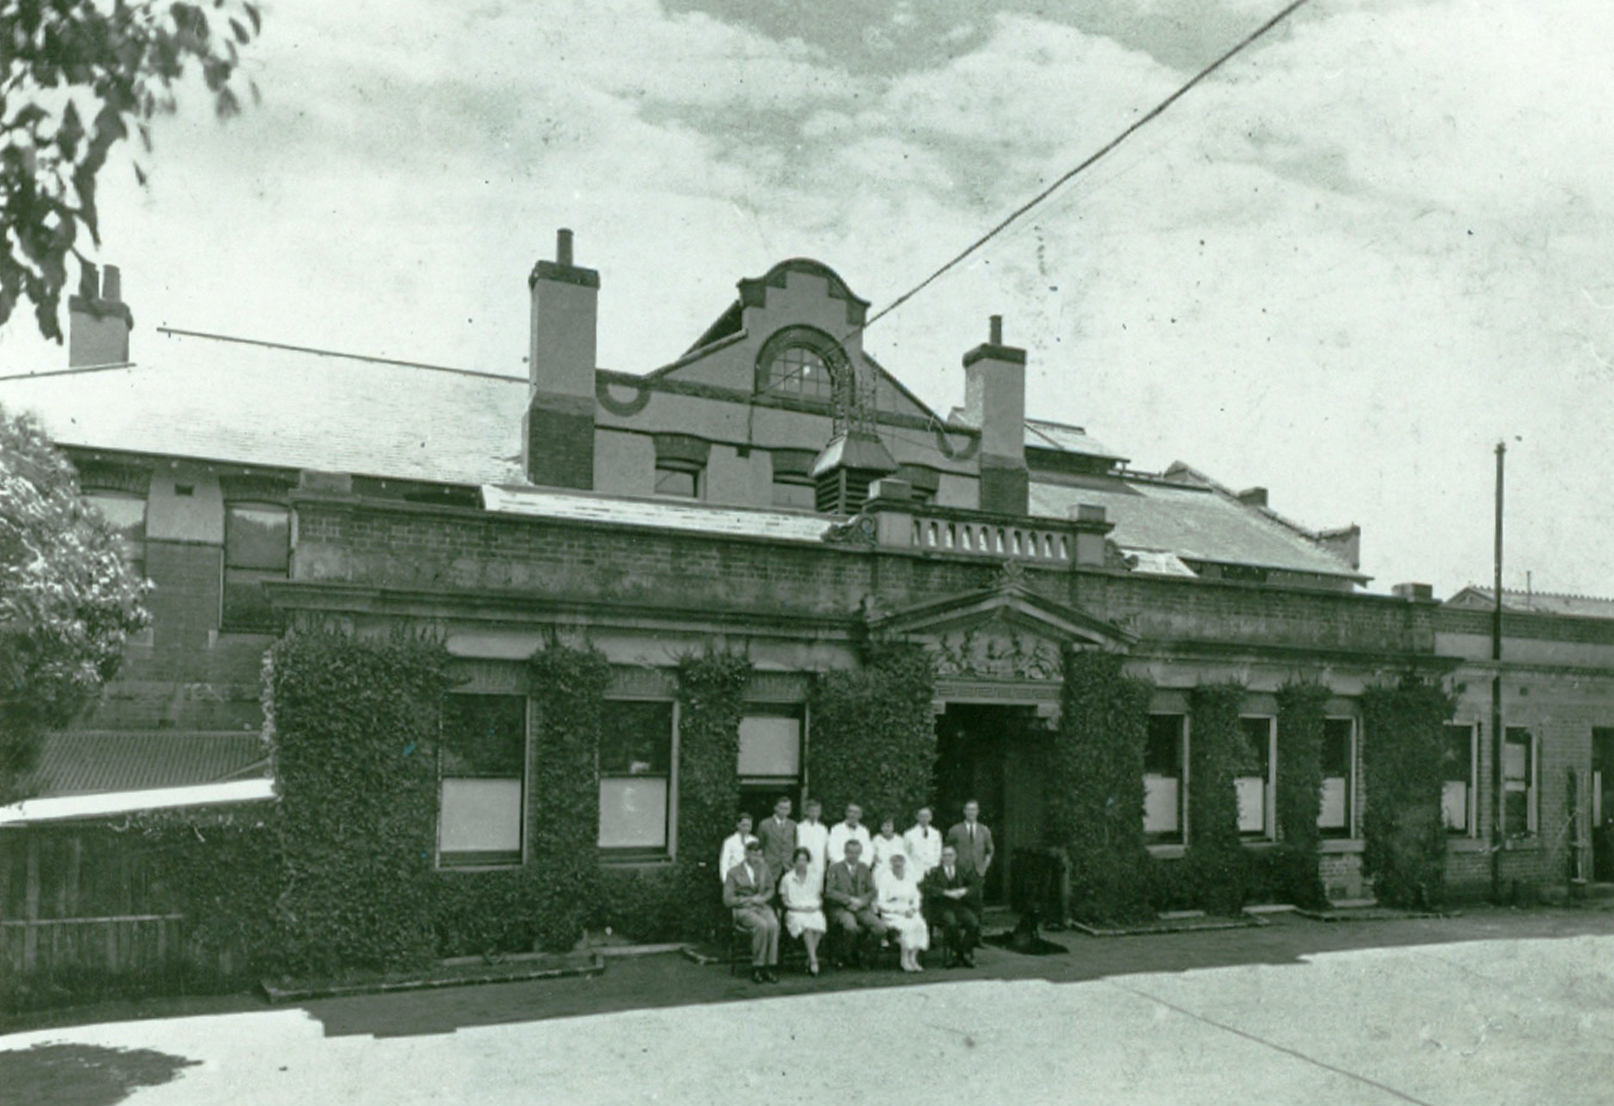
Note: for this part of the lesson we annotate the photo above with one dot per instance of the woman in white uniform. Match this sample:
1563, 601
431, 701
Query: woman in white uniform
804, 905
897, 899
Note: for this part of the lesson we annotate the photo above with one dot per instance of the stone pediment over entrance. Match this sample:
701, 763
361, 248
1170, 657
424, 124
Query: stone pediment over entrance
1004, 633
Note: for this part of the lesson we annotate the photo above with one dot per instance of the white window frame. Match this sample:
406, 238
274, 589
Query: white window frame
526, 783
1180, 836
1351, 755
647, 853
1268, 787
1532, 790
1471, 809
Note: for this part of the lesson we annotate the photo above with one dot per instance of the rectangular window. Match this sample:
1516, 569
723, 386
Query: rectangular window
1254, 781
636, 756
482, 767
680, 465
769, 763
678, 479
125, 512
257, 547
1338, 763
1518, 782
792, 479
1164, 756
1459, 787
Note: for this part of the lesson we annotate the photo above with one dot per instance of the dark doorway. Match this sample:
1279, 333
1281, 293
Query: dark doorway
996, 755
1603, 805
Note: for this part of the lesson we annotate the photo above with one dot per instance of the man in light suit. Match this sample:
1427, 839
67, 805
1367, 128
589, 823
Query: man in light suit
972, 840
952, 897
849, 897
924, 844
748, 890
778, 834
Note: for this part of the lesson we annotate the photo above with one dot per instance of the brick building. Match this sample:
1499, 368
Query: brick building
774, 490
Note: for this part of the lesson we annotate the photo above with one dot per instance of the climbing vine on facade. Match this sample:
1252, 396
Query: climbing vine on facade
873, 732
1405, 838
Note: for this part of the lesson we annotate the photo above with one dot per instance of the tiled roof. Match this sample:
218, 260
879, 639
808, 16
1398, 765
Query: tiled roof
1041, 434
257, 404
92, 761
1537, 602
1195, 524
664, 514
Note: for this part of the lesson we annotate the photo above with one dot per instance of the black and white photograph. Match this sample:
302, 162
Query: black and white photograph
745, 551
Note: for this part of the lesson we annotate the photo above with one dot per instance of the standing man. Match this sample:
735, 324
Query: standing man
778, 834
850, 830
734, 847
849, 894
747, 890
924, 844
972, 841
813, 836
952, 897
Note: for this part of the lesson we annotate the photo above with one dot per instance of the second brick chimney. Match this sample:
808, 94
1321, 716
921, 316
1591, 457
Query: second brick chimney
557, 433
98, 321
995, 401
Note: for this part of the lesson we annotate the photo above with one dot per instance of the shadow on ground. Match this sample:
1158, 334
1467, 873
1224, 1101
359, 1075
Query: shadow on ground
670, 980
83, 1075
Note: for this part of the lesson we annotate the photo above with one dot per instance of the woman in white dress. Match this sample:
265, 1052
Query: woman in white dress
885, 844
804, 905
900, 908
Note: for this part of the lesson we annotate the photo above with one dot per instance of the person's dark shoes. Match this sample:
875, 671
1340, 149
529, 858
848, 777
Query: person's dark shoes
758, 975
967, 960
772, 976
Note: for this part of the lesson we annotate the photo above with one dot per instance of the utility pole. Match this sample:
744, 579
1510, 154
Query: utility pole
1497, 830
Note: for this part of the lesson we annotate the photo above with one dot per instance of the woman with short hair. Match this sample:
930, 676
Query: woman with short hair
804, 905
898, 901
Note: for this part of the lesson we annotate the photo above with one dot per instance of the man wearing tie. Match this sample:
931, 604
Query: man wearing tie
778, 834
972, 840
952, 895
923, 844
849, 895
748, 890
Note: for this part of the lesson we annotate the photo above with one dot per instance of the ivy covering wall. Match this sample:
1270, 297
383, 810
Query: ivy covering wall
1405, 839
1291, 865
1214, 866
353, 727
1094, 803
873, 739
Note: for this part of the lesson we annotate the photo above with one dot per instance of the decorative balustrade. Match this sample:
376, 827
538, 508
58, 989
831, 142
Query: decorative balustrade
900, 523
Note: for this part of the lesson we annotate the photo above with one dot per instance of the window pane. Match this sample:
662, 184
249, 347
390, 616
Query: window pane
679, 482
1454, 805
800, 371
246, 604
1334, 812
1252, 796
484, 735
1162, 756
633, 813
126, 513
636, 738
257, 536
1458, 754
1336, 751
481, 816
1516, 757
800, 496
1516, 806
1162, 802
770, 746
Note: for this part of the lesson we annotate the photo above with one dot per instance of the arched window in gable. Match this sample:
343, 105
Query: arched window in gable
802, 362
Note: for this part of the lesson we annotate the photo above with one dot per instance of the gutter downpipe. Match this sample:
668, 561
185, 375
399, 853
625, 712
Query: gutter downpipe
1497, 829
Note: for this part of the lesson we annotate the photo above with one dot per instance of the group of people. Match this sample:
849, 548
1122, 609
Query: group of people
864, 887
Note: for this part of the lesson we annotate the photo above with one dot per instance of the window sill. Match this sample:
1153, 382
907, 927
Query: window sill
1167, 852
503, 866
1529, 843
1338, 845
631, 860
1463, 843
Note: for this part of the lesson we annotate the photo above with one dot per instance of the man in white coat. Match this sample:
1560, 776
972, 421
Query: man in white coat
924, 844
734, 847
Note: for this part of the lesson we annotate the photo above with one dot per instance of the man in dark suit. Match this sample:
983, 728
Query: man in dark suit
849, 895
972, 841
952, 896
748, 890
778, 834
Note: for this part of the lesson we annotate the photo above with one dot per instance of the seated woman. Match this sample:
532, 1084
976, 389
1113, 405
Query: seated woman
804, 905
885, 844
899, 905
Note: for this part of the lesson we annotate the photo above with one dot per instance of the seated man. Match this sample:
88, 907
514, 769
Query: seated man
748, 890
849, 894
953, 901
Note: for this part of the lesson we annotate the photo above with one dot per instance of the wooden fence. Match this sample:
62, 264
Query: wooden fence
85, 910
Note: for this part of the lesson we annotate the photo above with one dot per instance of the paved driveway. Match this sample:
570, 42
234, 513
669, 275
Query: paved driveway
1493, 1009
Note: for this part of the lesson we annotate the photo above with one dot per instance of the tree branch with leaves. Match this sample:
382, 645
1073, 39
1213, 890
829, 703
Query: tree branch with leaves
79, 77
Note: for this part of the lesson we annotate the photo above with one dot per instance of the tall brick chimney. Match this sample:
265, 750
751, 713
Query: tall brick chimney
995, 401
557, 432
98, 321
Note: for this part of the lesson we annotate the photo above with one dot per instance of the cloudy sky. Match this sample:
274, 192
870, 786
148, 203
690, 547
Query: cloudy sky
1374, 245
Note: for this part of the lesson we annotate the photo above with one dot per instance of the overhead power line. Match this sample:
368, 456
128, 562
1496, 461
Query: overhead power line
1153, 113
